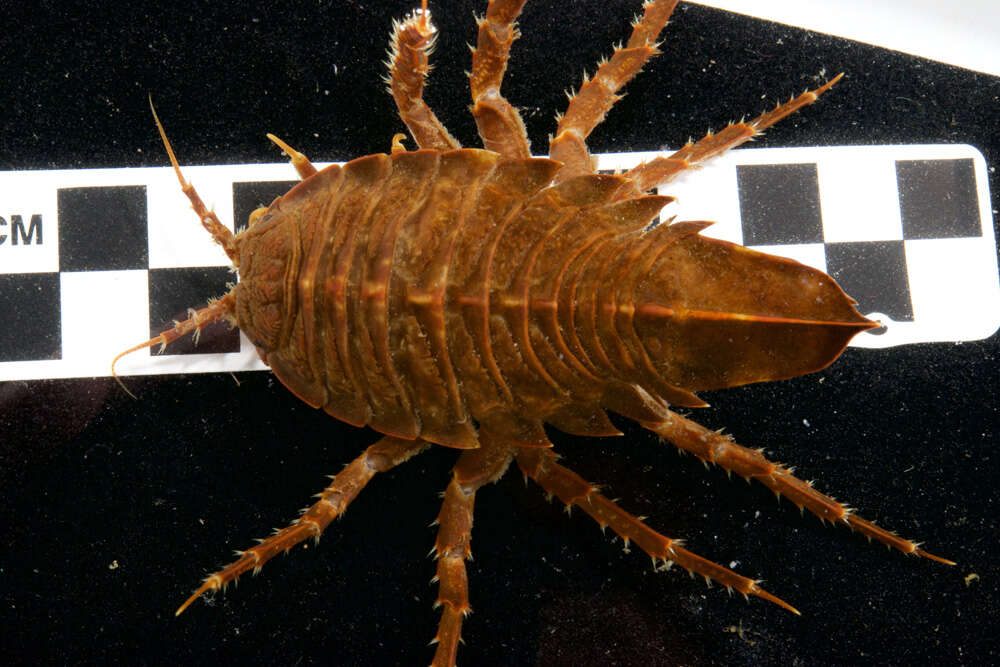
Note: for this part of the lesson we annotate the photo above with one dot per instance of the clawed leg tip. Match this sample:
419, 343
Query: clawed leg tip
194, 596
939, 559
784, 605
761, 593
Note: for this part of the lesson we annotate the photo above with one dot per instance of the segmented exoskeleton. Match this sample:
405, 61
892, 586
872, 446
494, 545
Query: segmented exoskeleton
464, 297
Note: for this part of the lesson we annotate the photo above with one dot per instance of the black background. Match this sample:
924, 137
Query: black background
114, 509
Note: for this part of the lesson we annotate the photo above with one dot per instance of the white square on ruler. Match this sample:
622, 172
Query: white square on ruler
103, 314
942, 272
858, 197
176, 236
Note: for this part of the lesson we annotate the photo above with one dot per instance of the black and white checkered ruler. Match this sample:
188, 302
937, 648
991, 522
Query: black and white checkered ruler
95, 261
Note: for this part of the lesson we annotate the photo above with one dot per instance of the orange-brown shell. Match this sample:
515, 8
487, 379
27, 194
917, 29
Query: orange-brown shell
432, 294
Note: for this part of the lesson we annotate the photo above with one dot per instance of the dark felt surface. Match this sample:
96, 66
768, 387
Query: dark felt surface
113, 509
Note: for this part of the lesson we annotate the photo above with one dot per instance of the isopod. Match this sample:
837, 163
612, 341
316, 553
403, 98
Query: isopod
466, 297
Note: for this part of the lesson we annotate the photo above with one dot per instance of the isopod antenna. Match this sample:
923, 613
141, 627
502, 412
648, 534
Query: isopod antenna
218, 309
220, 233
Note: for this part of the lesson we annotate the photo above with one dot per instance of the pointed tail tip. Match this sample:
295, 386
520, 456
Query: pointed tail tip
863, 324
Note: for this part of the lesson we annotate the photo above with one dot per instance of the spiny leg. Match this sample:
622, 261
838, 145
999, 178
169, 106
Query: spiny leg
299, 161
540, 465
596, 96
220, 233
500, 126
475, 468
385, 454
409, 47
659, 170
711, 447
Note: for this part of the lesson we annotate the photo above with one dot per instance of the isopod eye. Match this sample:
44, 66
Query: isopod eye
256, 215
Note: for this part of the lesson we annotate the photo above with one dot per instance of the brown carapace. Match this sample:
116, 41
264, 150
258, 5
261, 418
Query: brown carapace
464, 297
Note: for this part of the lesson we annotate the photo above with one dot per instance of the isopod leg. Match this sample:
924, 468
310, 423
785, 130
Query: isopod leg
596, 96
409, 47
711, 447
220, 233
334, 499
659, 170
500, 126
299, 161
541, 466
475, 468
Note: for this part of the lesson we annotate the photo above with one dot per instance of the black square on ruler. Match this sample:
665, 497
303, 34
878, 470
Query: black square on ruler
33, 326
251, 195
779, 204
937, 199
874, 274
173, 291
103, 229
